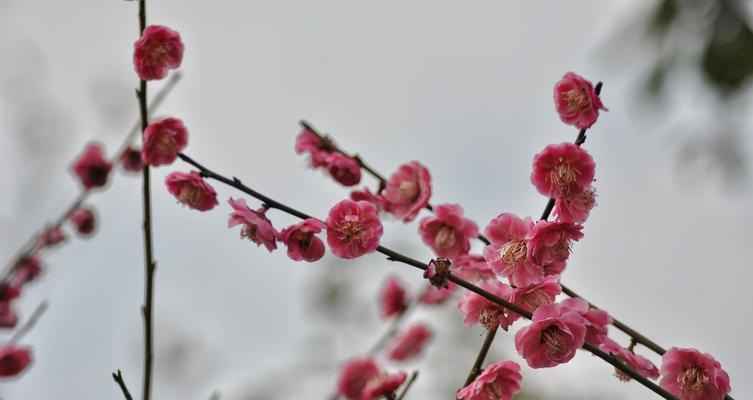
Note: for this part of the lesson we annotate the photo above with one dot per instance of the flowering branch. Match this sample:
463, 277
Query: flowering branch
269, 203
580, 139
33, 244
118, 377
150, 264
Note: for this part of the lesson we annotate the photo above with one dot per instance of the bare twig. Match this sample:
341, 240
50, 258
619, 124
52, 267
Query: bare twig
30, 323
408, 385
118, 377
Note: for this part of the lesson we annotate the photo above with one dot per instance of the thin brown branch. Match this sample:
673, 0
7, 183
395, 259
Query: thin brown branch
401, 258
118, 377
149, 264
407, 386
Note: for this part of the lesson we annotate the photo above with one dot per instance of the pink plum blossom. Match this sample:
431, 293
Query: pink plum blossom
537, 294
434, 296
158, 50
447, 232
353, 229
13, 360
91, 167
302, 242
354, 376
636, 362
597, 321
692, 375
83, 220
318, 149
549, 242
130, 159
507, 253
8, 292
477, 309
26, 270
365, 194
552, 338
499, 381
345, 170
163, 140
383, 385
255, 225
393, 298
8, 317
472, 267
576, 101
192, 190
575, 207
51, 236
410, 343
408, 190
561, 170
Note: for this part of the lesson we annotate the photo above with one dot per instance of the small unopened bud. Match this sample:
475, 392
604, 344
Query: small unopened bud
437, 272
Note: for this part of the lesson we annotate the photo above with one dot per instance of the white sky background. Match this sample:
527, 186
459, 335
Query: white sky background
464, 88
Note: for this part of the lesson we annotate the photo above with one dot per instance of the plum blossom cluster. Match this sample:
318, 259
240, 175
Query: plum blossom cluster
524, 259
521, 263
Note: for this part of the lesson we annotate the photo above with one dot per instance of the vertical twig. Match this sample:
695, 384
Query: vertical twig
118, 377
149, 262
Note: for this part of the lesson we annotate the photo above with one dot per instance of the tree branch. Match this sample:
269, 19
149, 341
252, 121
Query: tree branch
398, 257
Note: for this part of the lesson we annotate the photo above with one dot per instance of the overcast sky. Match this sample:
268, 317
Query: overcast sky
464, 88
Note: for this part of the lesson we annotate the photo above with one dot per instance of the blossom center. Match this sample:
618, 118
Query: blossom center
165, 143
492, 392
577, 99
563, 175
555, 343
489, 318
190, 194
532, 300
351, 229
692, 380
408, 190
445, 238
512, 253
159, 52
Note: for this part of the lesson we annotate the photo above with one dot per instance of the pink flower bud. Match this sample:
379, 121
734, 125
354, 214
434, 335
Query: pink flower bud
131, 160
83, 220
13, 360
393, 298
91, 166
410, 343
